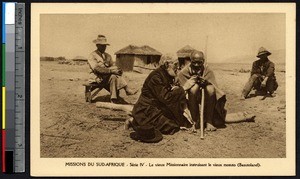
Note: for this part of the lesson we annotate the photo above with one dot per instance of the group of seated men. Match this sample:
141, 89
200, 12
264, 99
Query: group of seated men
168, 92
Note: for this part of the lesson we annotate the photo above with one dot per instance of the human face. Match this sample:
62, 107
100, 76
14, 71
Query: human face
197, 63
263, 57
101, 48
172, 69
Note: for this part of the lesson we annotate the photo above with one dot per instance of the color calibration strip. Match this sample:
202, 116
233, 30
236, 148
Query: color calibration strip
13, 87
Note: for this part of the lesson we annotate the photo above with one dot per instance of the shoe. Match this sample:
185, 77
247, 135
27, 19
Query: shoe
272, 95
131, 92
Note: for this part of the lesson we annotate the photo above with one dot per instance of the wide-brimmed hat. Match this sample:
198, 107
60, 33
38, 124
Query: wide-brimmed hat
146, 134
262, 51
101, 39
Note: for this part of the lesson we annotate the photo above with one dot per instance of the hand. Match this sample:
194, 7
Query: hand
116, 71
174, 88
264, 82
201, 82
190, 83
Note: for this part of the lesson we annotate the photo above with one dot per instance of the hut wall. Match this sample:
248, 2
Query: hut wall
140, 60
183, 61
155, 60
125, 62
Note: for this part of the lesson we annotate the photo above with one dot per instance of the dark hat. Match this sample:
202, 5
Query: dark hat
263, 51
101, 39
146, 134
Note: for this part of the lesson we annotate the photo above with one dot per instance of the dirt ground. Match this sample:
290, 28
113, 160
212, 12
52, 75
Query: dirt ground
71, 127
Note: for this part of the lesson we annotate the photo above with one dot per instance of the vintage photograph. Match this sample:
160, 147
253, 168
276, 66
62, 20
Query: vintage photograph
163, 85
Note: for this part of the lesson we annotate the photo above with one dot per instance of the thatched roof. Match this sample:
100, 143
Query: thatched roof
79, 58
136, 50
185, 51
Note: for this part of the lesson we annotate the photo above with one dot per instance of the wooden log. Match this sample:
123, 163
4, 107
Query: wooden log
119, 107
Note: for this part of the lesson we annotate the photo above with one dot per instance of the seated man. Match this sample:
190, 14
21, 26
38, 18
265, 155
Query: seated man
214, 111
161, 104
262, 75
104, 72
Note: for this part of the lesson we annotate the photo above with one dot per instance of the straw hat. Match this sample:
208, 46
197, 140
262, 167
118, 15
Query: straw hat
101, 39
263, 51
146, 134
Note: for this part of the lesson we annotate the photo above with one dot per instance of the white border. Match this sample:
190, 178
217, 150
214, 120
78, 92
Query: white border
55, 167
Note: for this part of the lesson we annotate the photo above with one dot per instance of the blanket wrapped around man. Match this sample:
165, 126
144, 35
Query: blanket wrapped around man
219, 110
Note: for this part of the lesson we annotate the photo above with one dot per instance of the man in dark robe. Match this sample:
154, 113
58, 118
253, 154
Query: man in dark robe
214, 111
262, 75
161, 104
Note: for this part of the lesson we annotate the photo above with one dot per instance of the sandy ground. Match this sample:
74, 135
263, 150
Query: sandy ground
70, 127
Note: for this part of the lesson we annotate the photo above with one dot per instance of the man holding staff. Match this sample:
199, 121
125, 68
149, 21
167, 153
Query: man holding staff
214, 111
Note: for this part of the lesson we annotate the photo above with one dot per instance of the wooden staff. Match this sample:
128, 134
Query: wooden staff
203, 98
202, 115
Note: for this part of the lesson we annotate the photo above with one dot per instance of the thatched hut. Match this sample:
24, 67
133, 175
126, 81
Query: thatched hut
80, 60
131, 55
183, 55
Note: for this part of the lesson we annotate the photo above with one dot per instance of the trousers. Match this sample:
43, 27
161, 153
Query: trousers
255, 82
113, 84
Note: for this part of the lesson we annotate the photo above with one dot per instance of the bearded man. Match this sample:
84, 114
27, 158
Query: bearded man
161, 104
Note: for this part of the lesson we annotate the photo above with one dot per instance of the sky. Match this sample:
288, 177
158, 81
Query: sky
227, 35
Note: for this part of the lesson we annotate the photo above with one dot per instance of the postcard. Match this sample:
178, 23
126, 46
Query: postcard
116, 89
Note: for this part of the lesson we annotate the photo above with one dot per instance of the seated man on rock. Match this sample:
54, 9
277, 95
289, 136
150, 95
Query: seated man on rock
103, 71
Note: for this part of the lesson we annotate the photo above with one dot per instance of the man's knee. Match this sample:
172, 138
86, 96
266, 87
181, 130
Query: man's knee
254, 76
194, 90
210, 89
113, 78
272, 85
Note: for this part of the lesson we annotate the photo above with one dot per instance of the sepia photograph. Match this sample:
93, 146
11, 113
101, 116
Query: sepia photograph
194, 88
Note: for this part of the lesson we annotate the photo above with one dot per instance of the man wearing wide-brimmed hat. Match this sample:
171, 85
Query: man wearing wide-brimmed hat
262, 75
105, 72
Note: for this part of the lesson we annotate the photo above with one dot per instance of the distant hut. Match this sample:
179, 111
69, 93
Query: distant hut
79, 60
47, 58
184, 55
131, 55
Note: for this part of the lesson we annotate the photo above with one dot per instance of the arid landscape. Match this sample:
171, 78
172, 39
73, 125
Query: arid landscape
71, 127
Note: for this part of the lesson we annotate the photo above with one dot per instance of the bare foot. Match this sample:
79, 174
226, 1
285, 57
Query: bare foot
131, 92
127, 124
242, 97
210, 127
249, 117
192, 129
